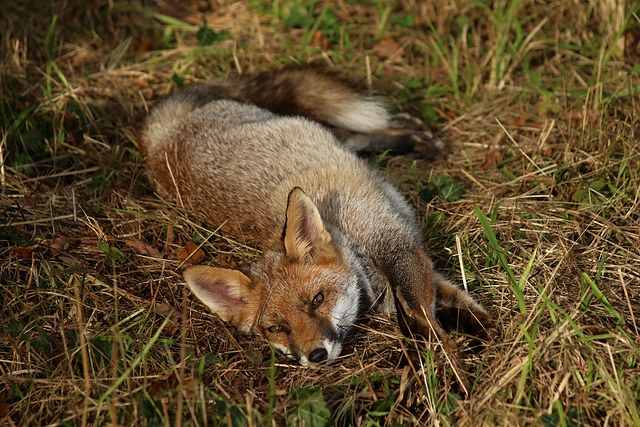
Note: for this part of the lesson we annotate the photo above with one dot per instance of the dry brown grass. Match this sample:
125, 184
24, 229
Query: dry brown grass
94, 332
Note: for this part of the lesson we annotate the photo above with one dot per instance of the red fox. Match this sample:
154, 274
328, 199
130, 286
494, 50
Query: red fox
259, 156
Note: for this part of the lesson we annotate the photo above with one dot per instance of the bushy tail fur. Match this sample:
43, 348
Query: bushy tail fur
358, 118
303, 92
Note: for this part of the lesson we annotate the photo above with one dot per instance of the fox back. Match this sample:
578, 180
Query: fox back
337, 238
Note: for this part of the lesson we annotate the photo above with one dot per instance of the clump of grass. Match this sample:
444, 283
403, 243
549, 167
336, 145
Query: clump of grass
540, 187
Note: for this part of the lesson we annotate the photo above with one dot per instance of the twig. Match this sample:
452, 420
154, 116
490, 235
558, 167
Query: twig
83, 348
61, 174
626, 294
37, 221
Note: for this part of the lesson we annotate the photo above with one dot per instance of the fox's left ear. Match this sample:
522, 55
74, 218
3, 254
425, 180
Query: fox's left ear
305, 237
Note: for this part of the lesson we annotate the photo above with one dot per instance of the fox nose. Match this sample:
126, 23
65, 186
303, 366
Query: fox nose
318, 355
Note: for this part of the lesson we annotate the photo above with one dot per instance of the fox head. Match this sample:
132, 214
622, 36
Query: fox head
302, 298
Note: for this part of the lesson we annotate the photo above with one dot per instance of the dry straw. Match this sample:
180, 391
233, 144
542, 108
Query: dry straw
539, 106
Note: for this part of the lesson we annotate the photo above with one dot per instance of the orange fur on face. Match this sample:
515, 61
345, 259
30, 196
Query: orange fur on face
276, 300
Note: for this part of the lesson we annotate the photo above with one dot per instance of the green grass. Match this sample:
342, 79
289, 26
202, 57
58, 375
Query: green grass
94, 332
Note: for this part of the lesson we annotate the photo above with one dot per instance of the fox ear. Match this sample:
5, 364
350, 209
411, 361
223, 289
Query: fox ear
226, 292
305, 237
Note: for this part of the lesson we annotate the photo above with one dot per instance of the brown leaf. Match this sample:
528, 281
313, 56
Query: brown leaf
190, 254
148, 93
170, 313
24, 253
577, 118
88, 242
229, 262
170, 382
140, 82
201, 6
171, 237
520, 121
144, 45
320, 39
163, 384
59, 244
4, 406
491, 159
143, 248
388, 48
632, 45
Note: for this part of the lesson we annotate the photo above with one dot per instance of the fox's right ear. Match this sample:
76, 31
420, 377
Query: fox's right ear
226, 292
305, 237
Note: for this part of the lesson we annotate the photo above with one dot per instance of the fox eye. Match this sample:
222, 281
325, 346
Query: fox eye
274, 329
317, 300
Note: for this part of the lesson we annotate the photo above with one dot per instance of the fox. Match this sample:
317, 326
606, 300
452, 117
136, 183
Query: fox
272, 159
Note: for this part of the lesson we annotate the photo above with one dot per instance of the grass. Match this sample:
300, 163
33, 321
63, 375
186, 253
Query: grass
535, 209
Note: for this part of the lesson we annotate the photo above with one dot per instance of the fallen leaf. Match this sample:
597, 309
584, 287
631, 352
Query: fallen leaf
491, 159
163, 384
229, 262
170, 313
320, 39
201, 6
632, 45
144, 45
190, 254
74, 265
388, 48
142, 248
140, 82
59, 244
24, 253
148, 93
4, 406
520, 121
170, 382
171, 237
88, 241
577, 118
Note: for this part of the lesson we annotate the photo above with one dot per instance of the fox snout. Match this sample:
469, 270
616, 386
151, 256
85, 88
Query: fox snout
318, 355
309, 346
326, 353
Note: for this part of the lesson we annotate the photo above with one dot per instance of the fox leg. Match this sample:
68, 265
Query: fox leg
457, 310
420, 319
412, 280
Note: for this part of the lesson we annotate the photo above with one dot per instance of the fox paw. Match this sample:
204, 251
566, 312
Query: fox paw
405, 135
419, 139
406, 121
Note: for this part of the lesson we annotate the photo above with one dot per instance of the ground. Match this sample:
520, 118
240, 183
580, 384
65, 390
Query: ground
535, 208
